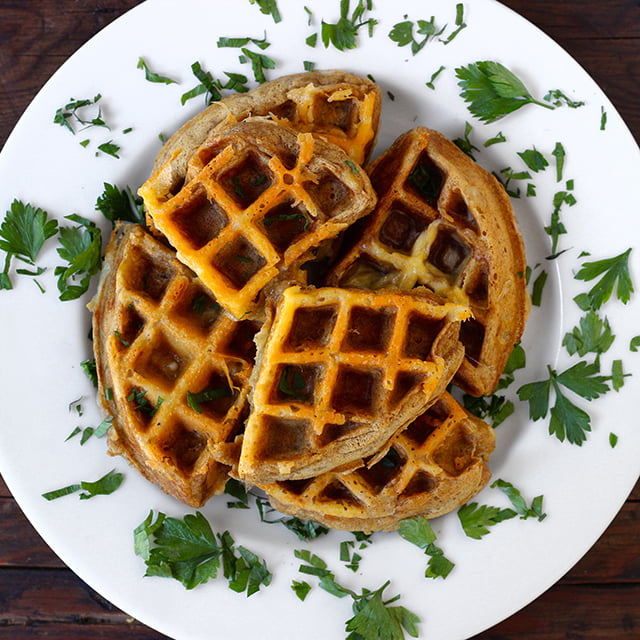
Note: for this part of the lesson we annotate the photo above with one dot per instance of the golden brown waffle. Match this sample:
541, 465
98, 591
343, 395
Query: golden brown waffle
338, 372
262, 200
173, 366
432, 467
341, 107
444, 222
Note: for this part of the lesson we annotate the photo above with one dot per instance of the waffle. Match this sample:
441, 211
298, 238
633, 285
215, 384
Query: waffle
432, 467
338, 372
341, 107
173, 366
445, 223
262, 200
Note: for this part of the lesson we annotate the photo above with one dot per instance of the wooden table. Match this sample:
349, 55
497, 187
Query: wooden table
599, 599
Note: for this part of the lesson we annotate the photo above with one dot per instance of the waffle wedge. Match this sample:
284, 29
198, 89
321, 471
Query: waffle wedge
433, 466
445, 223
261, 202
338, 372
339, 106
173, 366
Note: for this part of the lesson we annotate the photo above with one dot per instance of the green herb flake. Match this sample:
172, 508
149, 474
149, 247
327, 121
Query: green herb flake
151, 76
634, 344
431, 82
104, 486
72, 115
120, 204
303, 529
492, 91
195, 400
476, 519
592, 335
559, 154
419, 532
301, 588
603, 119
613, 440
518, 502
343, 34
497, 139
559, 98
534, 160
614, 277
110, 148
269, 8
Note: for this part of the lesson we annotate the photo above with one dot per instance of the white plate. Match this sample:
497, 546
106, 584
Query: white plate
44, 340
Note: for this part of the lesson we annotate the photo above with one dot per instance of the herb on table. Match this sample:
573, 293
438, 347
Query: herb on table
80, 247
418, 531
614, 277
23, 232
567, 419
374, 618
102, 487
269, 8
344, 33
189, 551
492, 91
151, 76
120, 204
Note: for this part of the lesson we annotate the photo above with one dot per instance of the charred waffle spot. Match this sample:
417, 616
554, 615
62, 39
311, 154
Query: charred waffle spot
200, 220
424, 425
401, 229
132, 325
329, 194
199, 309
240, 343
449, 252
456, 452
332, 432
472, 337
368, 273
248, 180
284, 438
163, 363
238, 261
383, 472
215, 398
356, 390
477, 285
148, 277
296, 487
421, 333
421, 482
311, 328
404, 383
368, 329
182, 447
336, 113
335, 491
295, 384
284, 224
456, 207
426, 180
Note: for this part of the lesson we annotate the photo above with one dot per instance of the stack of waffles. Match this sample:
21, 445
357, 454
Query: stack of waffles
292, 316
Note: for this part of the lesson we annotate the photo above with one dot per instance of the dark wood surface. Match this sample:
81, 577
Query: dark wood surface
599, 599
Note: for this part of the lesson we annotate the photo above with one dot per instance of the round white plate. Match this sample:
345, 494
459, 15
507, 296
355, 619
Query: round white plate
43, 340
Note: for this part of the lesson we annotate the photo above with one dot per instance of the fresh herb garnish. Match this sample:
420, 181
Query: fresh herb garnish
138, 397
259, 62
374, 618
567, 420
120, 204
71, 116
80, 247
538, 288
534, 160
634, 344
194, 400
98, 432
189, 551
492, 91
403, 33
434, 75
418, 531
151, 76
477, 518
110, 149
303, 529
592, 335
614, 276
102, 487
344, 33
90, 368
518, 502
559, 98
208, 86
269, 8
613, 440
556, 227
559, 154
23, 232
243, 42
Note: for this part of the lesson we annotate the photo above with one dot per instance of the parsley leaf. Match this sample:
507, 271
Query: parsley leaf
402, 33
476, 519
418, 531
343, 34
534, 160
72, 114
102, 487
23, 232
634, 344
592, 335
189, 551
304, 529
519, 503
567, 420
614, 274
80, 247
120, 204
268, 7
492, 91
151, 76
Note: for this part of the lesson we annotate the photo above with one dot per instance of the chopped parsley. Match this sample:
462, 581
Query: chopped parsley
634, 344
151, 76
592, 335
97, 432
102, 487
194, 400
120, 204
434, 75
343, 34
23, 233
80, 247
303, 529
109, 148
418, 531
269, 8
72, 115
189, 551
492, 91
559, 98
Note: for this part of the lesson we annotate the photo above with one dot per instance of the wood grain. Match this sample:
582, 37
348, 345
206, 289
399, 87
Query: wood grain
598, 599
